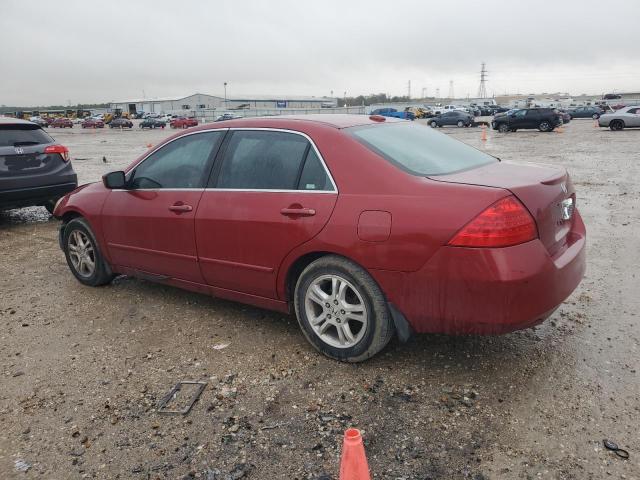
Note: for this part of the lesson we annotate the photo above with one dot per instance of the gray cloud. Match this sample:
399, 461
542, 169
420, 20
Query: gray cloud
109, 50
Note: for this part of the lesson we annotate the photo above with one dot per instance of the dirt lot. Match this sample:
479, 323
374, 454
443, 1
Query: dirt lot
83, 368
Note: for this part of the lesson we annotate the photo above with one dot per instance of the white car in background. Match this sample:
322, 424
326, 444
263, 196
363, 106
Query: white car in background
626, 117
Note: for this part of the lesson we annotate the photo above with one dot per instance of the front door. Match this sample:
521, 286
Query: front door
270, 192
150, 225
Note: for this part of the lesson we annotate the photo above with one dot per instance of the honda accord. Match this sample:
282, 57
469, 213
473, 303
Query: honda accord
365, 226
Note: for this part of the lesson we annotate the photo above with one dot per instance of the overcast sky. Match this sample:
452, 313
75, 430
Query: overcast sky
83, 51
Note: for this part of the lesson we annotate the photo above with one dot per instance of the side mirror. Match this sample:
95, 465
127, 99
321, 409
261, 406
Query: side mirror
114, 180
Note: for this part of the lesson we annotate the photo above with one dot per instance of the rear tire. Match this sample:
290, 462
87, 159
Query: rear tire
545, 127
50, 205
460, 124
595, 116
83, 254
356, 324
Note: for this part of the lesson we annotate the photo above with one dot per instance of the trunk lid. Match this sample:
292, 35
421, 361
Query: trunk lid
545, 190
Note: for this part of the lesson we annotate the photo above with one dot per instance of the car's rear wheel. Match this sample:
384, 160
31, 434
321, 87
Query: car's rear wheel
341, 310
460, 124
83, 255
616, 125
503, 128
545, 127
595, 116
50, 205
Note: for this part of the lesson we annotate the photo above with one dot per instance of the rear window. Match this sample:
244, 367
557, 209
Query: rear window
15, 135
419, 149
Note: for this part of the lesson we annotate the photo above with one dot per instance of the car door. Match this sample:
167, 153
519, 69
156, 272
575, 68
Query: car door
531, 119
270, 192
150, 225
632, 117
518, 119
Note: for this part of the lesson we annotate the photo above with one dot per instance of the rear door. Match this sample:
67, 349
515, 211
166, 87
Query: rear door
270, 192
150, 225
532, 118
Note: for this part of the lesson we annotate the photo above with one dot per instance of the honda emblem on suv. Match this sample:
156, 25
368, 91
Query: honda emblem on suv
19, 150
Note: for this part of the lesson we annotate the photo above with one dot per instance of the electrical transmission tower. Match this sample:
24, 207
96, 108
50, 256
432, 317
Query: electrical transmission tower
409, 89
482, 91
451, 95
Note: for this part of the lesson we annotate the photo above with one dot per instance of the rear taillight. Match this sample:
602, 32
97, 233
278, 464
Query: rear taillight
61, 149
507, 222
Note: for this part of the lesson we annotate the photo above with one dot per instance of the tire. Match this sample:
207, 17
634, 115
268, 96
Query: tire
50, 205
545, 126
368, 337
433, 124
616, 125
76, 232
503, 128
595, 116
460, 124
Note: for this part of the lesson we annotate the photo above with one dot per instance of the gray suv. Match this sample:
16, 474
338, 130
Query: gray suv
34, 169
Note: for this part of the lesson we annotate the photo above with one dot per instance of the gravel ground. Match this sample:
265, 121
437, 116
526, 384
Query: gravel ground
83, 368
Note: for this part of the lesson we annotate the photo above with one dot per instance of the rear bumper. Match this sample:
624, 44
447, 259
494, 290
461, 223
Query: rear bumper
35, 195
488, 291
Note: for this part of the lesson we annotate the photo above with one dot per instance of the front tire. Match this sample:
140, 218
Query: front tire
503, 128
83, 254
433, 124
341, 310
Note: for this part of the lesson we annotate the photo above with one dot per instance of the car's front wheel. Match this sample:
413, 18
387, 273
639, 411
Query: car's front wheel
341, 310
433, 124
503, 128
83, 254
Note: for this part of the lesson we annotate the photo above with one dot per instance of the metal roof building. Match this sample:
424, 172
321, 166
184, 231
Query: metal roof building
191, 104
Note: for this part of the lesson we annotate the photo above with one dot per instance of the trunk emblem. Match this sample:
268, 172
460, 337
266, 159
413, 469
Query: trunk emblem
19, 150
566, 208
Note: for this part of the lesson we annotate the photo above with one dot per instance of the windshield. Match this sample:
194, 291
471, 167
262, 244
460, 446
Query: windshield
16, 135
419, 149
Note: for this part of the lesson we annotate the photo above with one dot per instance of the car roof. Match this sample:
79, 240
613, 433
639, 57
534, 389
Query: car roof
14, 121
337, 120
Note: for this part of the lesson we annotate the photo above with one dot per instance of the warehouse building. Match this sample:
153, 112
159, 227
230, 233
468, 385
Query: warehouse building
190, 105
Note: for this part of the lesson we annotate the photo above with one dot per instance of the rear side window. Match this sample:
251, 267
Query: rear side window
20, 135
419, 149
314, 176
263, 160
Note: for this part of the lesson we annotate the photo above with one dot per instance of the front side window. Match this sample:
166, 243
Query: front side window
520, 113
418, 149
263, 160
183, 163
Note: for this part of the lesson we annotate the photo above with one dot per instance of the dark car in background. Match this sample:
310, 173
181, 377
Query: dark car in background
152, 123
121, 123
543, 119
393, 113
454, 117
566, 117
61, 123
34, 169
586, 112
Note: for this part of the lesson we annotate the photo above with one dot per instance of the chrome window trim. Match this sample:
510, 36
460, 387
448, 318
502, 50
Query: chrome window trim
269, 129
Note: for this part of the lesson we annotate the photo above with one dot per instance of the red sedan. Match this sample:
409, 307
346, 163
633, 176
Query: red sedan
92, 123
61, 123
365, 227
183, 122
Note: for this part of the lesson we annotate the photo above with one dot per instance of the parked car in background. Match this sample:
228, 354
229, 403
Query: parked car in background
152, 123
92, 123
566, 118
586, 112
61, 122
40, 121
139, 115
393, 113
461, 119
543, 119
34, 169
183, 122
226, 116
612, 96
627, 117
121, 123
279, 219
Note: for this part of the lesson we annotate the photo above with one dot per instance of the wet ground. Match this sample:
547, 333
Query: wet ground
83, 368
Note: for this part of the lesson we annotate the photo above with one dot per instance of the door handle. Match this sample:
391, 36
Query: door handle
180, 208
299, 212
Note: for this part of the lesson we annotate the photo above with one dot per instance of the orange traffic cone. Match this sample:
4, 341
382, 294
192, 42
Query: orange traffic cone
484, 132
149, 145
353, 464
595, 124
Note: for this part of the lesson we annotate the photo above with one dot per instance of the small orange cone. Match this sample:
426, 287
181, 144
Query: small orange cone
149, 145
595, 124
353, 464
484, 132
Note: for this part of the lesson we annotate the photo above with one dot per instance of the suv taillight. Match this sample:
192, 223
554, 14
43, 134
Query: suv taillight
61, 149
505, 223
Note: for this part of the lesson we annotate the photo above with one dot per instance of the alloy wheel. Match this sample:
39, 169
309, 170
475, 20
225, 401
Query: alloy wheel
81, 253
336, 311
